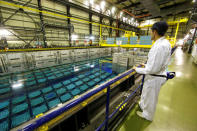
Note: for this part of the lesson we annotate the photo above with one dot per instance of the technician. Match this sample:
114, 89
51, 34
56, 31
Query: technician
158, 60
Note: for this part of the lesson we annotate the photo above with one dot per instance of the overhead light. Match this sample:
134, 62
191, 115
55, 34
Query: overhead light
98, 8
92, 2
102, 5
194, 1
121, 14
113, 10
74, 37
124, 18
17, 84
4, 32
76, 68
92, 66
86, 2
132, 19
108, 12
91, 37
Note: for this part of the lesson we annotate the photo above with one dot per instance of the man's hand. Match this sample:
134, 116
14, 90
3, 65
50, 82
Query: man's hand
143, 64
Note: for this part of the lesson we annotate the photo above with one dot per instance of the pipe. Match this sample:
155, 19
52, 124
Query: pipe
134, 15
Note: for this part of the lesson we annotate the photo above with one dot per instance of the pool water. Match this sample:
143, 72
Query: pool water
24, 95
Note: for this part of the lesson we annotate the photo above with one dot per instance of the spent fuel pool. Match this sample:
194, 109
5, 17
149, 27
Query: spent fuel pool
24, 95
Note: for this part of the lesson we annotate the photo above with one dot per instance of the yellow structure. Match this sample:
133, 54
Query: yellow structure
129, 34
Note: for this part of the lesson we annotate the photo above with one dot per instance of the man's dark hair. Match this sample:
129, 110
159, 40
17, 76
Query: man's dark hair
160, 27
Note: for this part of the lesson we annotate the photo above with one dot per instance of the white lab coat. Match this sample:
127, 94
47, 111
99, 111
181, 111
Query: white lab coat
158, 59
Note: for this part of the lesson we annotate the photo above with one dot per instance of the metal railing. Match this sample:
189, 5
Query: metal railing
108, 117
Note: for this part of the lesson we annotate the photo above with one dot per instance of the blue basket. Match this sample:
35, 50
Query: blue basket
36, 101
84, 87
97, 79
19, 108
61, 91
19, 119
56, 86
4, 85
42, 80
53, 103
41, 76
70, 87
74, 79
18, 99
4, 114
75, 92
81, 76
51, 77
65, 97
92, 76
66, 82
34, 94
38, 74
86, 79
49, 74
39, 109
4, 104
66, 73
103, 76
47, 89
78, 83
4, 90
59, 75
4, 125
91, 83
50, 95
97, 74
30, 83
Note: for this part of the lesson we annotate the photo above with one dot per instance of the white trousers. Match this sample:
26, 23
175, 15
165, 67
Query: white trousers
149, 96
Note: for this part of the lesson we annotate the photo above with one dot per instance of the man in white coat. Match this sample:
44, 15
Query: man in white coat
158, 59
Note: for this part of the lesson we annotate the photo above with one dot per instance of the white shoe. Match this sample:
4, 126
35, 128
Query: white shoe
139, 114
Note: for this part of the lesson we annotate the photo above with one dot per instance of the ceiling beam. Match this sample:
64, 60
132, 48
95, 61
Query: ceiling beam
186, 6
120, 1
65, 2
131, 5
151, 6
142, 8
142, 13
175, 5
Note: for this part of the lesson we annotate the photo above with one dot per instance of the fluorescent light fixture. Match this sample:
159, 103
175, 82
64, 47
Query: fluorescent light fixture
102, 5
98, 8
121, 13
113, 10
4, 32
76, 68
108, 12
132, 19
17, 85
92, 66
74, 37
86, 2
91, 37
92, 2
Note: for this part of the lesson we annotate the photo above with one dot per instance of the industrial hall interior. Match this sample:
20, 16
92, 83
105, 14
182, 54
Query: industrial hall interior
98, 65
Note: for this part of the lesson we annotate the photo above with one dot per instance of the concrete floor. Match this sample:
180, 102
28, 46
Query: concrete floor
177, 105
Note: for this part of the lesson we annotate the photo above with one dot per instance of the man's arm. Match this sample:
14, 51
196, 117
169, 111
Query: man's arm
155, 61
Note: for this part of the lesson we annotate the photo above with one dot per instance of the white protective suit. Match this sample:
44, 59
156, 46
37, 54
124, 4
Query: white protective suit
158, 59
